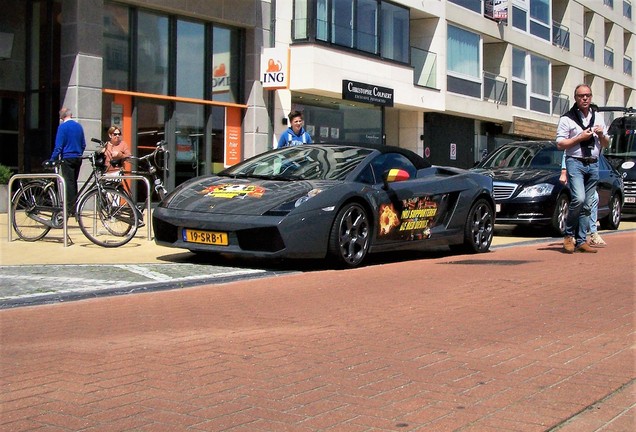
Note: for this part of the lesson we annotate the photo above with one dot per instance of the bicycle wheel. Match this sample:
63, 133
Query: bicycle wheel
34, 207
107, 217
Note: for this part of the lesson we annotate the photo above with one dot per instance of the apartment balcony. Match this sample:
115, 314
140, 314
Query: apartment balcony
424, 65
560, 36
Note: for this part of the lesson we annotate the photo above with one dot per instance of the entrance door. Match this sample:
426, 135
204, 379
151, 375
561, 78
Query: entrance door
152, 121
11, 155
189, 132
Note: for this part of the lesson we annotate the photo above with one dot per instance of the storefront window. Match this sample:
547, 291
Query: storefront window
116, 47
152, 53
190, 59
226, 55
218, 138
332, 120
189, 137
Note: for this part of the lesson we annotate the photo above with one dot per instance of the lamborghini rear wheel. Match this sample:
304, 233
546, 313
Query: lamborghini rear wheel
479, 229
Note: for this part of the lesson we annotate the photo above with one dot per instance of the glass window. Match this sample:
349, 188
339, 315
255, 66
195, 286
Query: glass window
226, 55
473, 5
518, 64
152, 53
540, 84
116, 47
342, 22
395, 32
190, 59
366, 26
322, 22
463, 52
519, 94
540, 72
372, 26
519, 19
519, 83
300, 19
540, 11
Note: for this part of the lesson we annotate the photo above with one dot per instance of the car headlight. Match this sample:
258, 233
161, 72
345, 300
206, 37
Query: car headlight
541, 189
285, 208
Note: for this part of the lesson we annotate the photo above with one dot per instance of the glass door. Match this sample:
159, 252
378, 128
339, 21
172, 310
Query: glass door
151, 116
189, 133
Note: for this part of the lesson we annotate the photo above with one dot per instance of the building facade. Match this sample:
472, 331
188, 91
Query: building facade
450, 79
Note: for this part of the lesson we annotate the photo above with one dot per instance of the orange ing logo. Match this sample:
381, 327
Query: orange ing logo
274, 66
219, 71
388, 219
233, 191
220, 79
274, 73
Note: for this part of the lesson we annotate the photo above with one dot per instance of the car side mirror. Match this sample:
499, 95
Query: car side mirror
395, 175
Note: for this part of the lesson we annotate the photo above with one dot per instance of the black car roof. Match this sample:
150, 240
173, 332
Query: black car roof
541, 144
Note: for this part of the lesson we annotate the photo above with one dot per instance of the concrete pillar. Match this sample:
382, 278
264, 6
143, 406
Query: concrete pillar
81, 63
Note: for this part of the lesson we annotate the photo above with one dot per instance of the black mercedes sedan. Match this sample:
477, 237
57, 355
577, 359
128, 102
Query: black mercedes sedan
528, 191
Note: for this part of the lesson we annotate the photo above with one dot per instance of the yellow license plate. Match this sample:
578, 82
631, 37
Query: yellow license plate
205, 237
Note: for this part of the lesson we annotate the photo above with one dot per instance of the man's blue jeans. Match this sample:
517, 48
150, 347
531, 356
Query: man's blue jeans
582, 179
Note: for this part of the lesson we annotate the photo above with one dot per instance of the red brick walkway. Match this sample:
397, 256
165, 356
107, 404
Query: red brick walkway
520, 339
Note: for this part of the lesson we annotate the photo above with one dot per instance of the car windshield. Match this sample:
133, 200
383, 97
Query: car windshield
524, 157
303, 162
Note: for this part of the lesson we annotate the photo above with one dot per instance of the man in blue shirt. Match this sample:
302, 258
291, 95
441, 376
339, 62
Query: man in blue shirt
295, 133
69, 147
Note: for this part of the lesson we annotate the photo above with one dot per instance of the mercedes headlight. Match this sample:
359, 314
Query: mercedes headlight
542, 189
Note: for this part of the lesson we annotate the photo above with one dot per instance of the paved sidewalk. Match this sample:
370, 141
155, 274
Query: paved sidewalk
80, 250
520, 339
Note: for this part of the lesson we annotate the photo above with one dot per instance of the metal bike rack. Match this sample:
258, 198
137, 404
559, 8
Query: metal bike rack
60, 181
148, 208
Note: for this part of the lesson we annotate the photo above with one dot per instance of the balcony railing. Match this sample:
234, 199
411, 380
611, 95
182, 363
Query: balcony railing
560, 103
588, 48
608, 57
627, 65
560, 36
424, 65
495, 88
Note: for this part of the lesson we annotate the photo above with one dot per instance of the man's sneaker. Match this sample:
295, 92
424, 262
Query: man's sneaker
568, 244
597, 241
586, 248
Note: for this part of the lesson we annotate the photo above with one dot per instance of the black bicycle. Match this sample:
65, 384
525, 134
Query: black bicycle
149, 166
106, 216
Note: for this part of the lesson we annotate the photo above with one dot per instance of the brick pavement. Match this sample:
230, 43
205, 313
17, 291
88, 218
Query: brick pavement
505, 341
